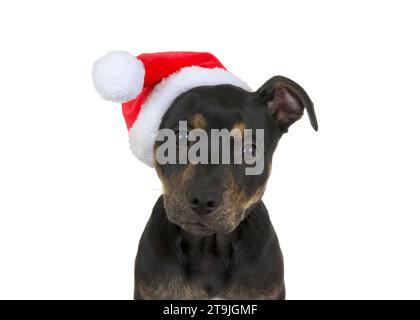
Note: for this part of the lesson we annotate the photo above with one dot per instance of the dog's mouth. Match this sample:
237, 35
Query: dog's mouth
197, 228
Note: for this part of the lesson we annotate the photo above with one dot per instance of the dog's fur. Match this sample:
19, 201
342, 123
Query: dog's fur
227, 249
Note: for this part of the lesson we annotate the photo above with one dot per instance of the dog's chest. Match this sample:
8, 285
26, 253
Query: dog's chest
207, 268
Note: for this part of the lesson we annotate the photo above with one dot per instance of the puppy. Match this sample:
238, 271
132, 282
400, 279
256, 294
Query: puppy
210, 235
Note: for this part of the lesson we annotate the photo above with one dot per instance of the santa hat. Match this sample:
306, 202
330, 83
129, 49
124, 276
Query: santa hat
148, 84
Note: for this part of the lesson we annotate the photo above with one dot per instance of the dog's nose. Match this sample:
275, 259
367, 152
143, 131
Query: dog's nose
203, 205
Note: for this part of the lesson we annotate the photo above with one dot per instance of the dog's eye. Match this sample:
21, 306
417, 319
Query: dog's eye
250, 151
181, 137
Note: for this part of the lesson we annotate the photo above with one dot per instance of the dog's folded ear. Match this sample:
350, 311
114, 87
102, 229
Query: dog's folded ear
286, 101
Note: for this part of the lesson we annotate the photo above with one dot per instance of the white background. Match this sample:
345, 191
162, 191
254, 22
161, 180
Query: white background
344, 201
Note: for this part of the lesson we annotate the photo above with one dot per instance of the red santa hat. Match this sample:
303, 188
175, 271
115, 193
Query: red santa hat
148, 84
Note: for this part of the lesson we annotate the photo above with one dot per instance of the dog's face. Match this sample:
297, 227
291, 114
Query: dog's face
214, 198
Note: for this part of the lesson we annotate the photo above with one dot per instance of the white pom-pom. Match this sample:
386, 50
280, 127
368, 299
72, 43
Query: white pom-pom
118, 76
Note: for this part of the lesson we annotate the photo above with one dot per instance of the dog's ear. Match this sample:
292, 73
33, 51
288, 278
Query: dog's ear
286, 100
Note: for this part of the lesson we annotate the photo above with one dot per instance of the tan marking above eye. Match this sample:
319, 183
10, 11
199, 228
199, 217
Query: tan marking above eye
198, 121
237, 130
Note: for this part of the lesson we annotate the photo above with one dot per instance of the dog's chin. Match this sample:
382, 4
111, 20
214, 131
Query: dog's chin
198, 229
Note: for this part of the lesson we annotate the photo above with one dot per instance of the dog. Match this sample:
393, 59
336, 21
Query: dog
209, 235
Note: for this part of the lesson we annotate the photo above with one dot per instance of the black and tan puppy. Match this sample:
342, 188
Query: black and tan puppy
210, 235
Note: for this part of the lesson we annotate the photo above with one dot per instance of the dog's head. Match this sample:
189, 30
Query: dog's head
206, 198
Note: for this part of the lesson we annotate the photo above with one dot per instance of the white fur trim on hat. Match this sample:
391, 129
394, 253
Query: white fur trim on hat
118, 76
143, 132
